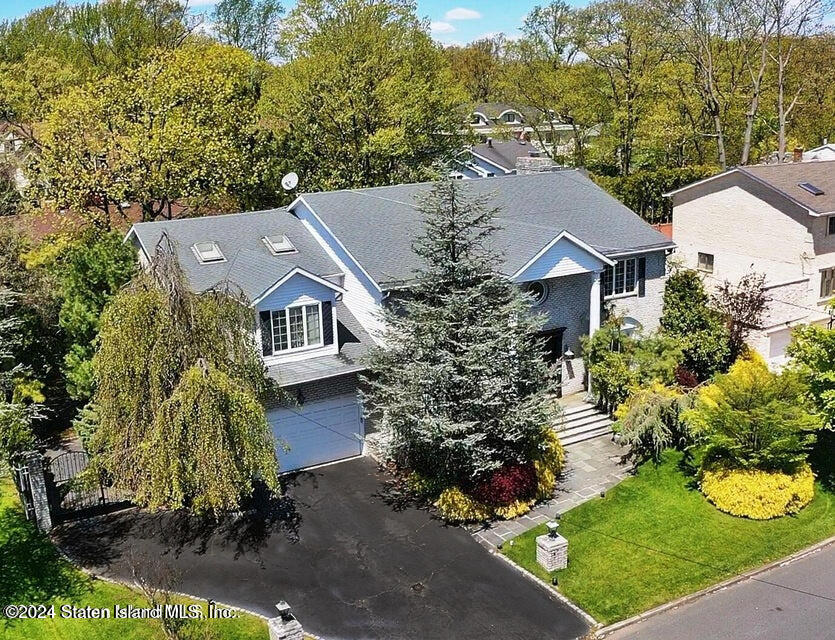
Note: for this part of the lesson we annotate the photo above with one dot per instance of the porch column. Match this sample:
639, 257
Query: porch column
594, 303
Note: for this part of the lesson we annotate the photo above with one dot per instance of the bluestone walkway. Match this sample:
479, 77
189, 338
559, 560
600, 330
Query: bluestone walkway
591, 467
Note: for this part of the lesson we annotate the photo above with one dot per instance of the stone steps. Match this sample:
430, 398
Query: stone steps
582, 421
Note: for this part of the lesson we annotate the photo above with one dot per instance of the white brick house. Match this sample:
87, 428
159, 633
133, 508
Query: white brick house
778, 220
320, 272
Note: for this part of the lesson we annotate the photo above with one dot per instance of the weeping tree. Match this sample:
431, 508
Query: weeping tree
460, 381
179, 390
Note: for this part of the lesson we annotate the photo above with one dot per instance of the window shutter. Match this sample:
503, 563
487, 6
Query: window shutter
642, 277
266, 333
327, 323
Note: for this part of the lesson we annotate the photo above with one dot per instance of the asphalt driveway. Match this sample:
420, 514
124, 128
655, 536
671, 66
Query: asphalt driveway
352, 559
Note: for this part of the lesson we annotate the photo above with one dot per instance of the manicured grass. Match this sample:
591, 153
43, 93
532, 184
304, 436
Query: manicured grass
32, 572
654, 538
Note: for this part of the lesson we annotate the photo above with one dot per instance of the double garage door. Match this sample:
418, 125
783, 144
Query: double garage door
318, 432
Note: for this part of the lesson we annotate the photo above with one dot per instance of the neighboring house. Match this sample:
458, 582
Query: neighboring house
499, 158
320, 272
778, 220
499, 119
824, 152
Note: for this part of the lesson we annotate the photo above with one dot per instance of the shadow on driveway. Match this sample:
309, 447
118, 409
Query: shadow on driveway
350, 565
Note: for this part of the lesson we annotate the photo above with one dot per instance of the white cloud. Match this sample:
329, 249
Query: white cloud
441, 27
460, 13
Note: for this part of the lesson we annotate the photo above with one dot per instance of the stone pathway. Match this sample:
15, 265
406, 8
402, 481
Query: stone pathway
592, 466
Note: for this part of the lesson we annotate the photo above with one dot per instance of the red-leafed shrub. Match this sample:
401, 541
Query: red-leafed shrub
685, 378
505, 485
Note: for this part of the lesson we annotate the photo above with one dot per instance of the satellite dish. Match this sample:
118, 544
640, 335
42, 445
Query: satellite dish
290, 181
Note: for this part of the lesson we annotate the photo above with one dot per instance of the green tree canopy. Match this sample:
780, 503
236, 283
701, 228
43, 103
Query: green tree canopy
168, 360
701, 330
753, 418
461, 382
812, 352
251, 25
179, 133
366, 98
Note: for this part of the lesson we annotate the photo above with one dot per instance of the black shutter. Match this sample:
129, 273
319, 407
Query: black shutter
266, 333
642, 277
327, 323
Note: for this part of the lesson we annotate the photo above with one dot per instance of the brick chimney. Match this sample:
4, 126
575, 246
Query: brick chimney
533, 164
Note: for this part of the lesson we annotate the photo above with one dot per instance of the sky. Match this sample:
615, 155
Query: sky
452, 22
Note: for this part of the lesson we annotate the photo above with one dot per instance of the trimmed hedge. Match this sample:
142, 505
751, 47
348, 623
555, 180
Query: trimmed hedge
759, 495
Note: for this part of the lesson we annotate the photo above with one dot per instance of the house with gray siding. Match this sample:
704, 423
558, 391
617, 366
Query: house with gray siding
320, 272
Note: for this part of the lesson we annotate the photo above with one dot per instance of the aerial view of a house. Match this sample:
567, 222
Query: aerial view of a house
417, 320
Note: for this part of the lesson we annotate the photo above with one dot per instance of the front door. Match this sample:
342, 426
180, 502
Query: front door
552, 342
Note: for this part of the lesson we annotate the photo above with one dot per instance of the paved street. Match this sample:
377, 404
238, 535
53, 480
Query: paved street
792, 602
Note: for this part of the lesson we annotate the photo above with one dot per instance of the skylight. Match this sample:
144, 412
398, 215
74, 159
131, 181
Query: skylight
208, 252
279, 244
808, 186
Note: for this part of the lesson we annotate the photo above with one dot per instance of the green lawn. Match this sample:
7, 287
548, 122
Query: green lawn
654, 538
32, 572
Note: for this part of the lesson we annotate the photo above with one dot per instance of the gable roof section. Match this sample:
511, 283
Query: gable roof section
378, 225
589, 259
784, 179
249, 263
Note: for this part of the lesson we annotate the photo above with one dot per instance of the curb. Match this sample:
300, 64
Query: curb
551, 591
674, 604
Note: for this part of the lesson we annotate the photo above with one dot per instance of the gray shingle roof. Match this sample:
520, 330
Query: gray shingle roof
504, 153
378, 225
249, 263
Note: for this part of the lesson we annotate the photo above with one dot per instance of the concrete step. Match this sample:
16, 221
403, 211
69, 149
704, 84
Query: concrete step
582, 419
578, 408
590, 425
567, 441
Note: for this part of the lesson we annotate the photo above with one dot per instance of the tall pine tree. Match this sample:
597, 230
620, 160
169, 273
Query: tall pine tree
460, 381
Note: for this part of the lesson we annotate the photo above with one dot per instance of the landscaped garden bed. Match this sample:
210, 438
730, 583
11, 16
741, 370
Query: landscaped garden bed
655, 537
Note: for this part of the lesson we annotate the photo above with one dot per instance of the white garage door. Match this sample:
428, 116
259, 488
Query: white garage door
318, 432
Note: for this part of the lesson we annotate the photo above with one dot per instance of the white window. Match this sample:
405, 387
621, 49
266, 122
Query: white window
830, 226
509, 117
208, 252
705, 262
279, 244
538, 292
296, 327
475, 119
827, 282
621, 279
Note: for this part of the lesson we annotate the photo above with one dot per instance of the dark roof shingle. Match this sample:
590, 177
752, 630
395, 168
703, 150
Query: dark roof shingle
787, 177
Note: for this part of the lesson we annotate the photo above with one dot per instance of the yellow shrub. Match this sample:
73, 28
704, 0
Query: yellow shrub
759, 495
549, 466
456, 506
514, 509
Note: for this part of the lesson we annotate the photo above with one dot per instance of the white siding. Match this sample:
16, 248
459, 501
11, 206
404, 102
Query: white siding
299, 289
564, 258
362, 297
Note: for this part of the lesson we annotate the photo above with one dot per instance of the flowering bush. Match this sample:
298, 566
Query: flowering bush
456, 506
549, 466
756, 494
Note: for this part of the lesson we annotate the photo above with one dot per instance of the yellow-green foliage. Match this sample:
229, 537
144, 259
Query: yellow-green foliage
549, 466
759, 495
456, 506
514, 509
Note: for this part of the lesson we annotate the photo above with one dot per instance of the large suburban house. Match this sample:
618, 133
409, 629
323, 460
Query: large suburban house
320, 271
777, 220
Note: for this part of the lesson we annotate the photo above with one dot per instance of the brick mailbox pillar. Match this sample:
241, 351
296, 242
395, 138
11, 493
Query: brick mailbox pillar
285, 626
552, 551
